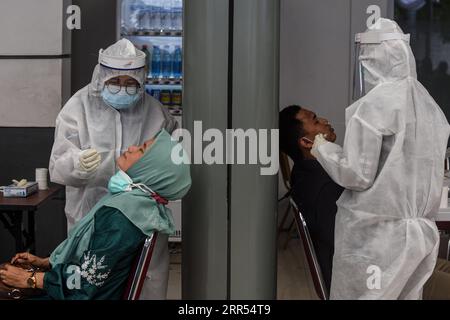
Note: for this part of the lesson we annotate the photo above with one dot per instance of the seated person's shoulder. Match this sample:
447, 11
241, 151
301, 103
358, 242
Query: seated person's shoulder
113, 229
111, 218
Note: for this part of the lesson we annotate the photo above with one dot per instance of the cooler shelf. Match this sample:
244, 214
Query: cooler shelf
164, 81
153, 33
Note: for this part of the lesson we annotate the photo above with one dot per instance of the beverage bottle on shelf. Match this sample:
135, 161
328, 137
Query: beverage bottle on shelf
165, 15
165, 97
166, 62
155, 14
156, 62
141, 14
133, 13
177, 63
148, 59
176, 98
146, 18
156, 93
177, 15
125, 16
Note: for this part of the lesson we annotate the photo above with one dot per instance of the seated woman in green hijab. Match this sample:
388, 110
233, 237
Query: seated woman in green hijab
95, 260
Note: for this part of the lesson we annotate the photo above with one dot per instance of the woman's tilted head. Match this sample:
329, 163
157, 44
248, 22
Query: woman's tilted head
152, 165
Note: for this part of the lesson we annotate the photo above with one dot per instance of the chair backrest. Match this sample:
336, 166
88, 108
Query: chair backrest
314, 267
285, 170
139, 270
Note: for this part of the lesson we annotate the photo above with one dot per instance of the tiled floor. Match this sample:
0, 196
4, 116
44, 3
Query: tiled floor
174, 289
294, 281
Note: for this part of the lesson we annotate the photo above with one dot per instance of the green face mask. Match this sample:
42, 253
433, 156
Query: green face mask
120, 182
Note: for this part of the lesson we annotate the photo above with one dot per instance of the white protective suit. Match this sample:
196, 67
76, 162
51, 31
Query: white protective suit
391, 165
86, 122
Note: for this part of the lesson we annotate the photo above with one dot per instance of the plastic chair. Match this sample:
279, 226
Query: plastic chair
139, 271
314, 267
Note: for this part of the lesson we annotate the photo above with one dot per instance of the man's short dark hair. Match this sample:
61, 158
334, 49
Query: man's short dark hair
291, 129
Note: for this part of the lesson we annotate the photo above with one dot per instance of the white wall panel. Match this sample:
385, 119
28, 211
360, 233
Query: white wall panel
32, 91
34, 27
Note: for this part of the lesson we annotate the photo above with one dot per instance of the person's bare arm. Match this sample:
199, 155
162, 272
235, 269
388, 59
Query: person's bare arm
28, 258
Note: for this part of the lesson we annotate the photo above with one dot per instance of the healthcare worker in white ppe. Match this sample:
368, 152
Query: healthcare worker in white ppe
95, 127
392, 166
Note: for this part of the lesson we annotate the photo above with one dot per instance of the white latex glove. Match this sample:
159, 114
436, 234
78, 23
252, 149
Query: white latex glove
20, 183
89, 160
318, 141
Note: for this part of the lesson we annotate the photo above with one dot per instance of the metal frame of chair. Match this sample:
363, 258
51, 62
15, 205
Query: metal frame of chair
448, 250
314, 267
139, 271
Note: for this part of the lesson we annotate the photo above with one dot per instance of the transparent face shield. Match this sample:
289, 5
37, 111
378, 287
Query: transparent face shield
109, 73
368, 38
358, 76
103, 74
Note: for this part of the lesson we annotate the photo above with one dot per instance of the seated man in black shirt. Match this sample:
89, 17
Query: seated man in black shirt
316, 194
312, 189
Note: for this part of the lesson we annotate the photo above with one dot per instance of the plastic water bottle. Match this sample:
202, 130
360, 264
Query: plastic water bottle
146, 20
140, 16
166, 62
125, 16
134, 17
177, 62
156, 62
148, 58
177, 14
165, 15
155, 15
156, 93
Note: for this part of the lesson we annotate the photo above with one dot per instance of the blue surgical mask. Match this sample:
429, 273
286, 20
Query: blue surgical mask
120, 182
120, 100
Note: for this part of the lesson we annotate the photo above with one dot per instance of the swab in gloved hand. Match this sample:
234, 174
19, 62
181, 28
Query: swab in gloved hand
89, 160
319, 140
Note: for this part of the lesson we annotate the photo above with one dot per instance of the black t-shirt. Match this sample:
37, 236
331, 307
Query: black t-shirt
316, 194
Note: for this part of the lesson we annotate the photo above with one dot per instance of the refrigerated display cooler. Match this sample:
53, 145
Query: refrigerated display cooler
156, 27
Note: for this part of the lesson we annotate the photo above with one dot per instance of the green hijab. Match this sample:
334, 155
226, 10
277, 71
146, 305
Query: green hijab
157, 171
